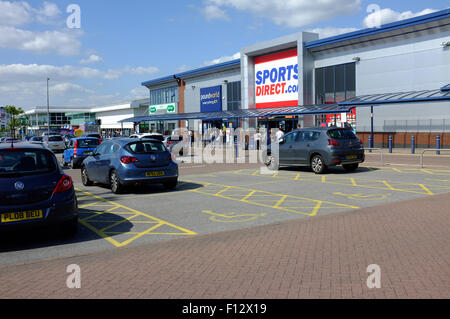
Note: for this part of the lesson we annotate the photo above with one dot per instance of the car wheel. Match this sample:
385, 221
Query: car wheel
85, 177
351, 167
171, 185
272, 163
318, 165
116, 186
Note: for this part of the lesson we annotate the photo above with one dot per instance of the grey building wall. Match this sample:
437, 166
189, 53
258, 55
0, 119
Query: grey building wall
193, 86
400, 65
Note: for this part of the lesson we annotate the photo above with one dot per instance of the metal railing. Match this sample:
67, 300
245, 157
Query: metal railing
431, 150
377, 149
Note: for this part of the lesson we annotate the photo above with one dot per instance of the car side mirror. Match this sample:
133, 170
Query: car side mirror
282, 141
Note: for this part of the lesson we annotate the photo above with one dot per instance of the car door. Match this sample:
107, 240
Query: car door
286, 149
107, 161
68, 153
92, 163
304, 144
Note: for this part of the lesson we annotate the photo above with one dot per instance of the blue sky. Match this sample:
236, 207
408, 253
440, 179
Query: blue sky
123, 43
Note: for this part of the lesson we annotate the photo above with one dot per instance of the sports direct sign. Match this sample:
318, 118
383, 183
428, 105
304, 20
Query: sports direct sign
277, 80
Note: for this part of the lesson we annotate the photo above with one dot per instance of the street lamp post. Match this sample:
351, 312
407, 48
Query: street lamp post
48, 110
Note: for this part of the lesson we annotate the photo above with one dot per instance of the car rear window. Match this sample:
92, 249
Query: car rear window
88, 143
26, 162
154, 137
342, 134
55, 139
146, 147
37, 139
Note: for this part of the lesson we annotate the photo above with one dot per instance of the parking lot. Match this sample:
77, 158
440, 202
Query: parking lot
216, 198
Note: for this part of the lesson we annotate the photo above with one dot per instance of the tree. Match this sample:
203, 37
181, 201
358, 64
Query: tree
14, 113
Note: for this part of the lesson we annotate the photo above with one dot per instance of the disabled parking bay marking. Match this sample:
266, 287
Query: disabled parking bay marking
109, 219
415, 188
232, 217
281, 202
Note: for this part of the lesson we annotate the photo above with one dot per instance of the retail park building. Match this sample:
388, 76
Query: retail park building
402, 69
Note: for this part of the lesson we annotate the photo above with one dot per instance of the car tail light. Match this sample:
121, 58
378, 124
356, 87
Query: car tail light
64, 184
128, 159
361, 142
169, 158
333, 143
75, 149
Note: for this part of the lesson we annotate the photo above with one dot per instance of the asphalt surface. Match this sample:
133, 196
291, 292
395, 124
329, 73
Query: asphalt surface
224, 197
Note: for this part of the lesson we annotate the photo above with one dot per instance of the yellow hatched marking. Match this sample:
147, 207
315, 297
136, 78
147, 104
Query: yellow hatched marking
368, 183
426, 189
113, 206
251, 196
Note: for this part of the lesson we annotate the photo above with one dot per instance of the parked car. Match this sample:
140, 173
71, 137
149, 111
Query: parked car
154, 136
55, 143
67, 138
318, 148
78, 150
34, 191
123, 162
37, 140
98, 136
10, 140
171, 141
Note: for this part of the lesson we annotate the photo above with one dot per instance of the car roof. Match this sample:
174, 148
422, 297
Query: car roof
22, 145
85, 138
125, 141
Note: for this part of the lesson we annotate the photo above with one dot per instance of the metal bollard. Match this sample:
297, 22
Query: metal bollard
370, 144
413, 144
438, 144
390, 144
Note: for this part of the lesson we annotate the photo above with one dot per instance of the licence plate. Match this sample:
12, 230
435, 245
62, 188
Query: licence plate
22, 216
350, 157
155, 174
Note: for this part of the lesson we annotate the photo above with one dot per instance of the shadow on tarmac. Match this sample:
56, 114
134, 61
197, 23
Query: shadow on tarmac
329, 171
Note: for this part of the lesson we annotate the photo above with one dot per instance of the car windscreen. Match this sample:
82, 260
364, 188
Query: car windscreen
88, 143
55, 139
146, 147
25, 162
342, 134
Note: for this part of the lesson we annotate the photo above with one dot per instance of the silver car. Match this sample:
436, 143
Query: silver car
55, 143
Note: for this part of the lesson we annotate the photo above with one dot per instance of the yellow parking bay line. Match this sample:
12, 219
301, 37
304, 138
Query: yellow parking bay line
415, 188
110, 215
297, 204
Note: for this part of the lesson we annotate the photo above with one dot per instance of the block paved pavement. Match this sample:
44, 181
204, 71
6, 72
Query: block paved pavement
321, 257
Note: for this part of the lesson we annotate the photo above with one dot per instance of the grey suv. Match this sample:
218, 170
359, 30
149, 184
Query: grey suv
318, 148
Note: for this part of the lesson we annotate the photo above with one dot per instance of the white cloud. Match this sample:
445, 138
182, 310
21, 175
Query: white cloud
48, 13
290, 13
14, 13
140, 92
213, 12
69, 88
63, 42
36, 72
388, 15
93, 58
330, 31
223, 59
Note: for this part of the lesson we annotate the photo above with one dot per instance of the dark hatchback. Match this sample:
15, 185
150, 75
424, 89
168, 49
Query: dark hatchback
34, 191
318, 148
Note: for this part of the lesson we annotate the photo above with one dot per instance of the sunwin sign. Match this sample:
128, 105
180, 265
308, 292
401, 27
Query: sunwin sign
277, 79
211, 99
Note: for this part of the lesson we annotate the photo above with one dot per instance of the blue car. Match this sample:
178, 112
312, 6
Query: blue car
78, 149
34, 191
124, 162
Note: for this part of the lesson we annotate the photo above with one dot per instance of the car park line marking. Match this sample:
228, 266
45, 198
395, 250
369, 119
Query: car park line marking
304, 206
415, 188
364, 196
120, 211
232, 217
